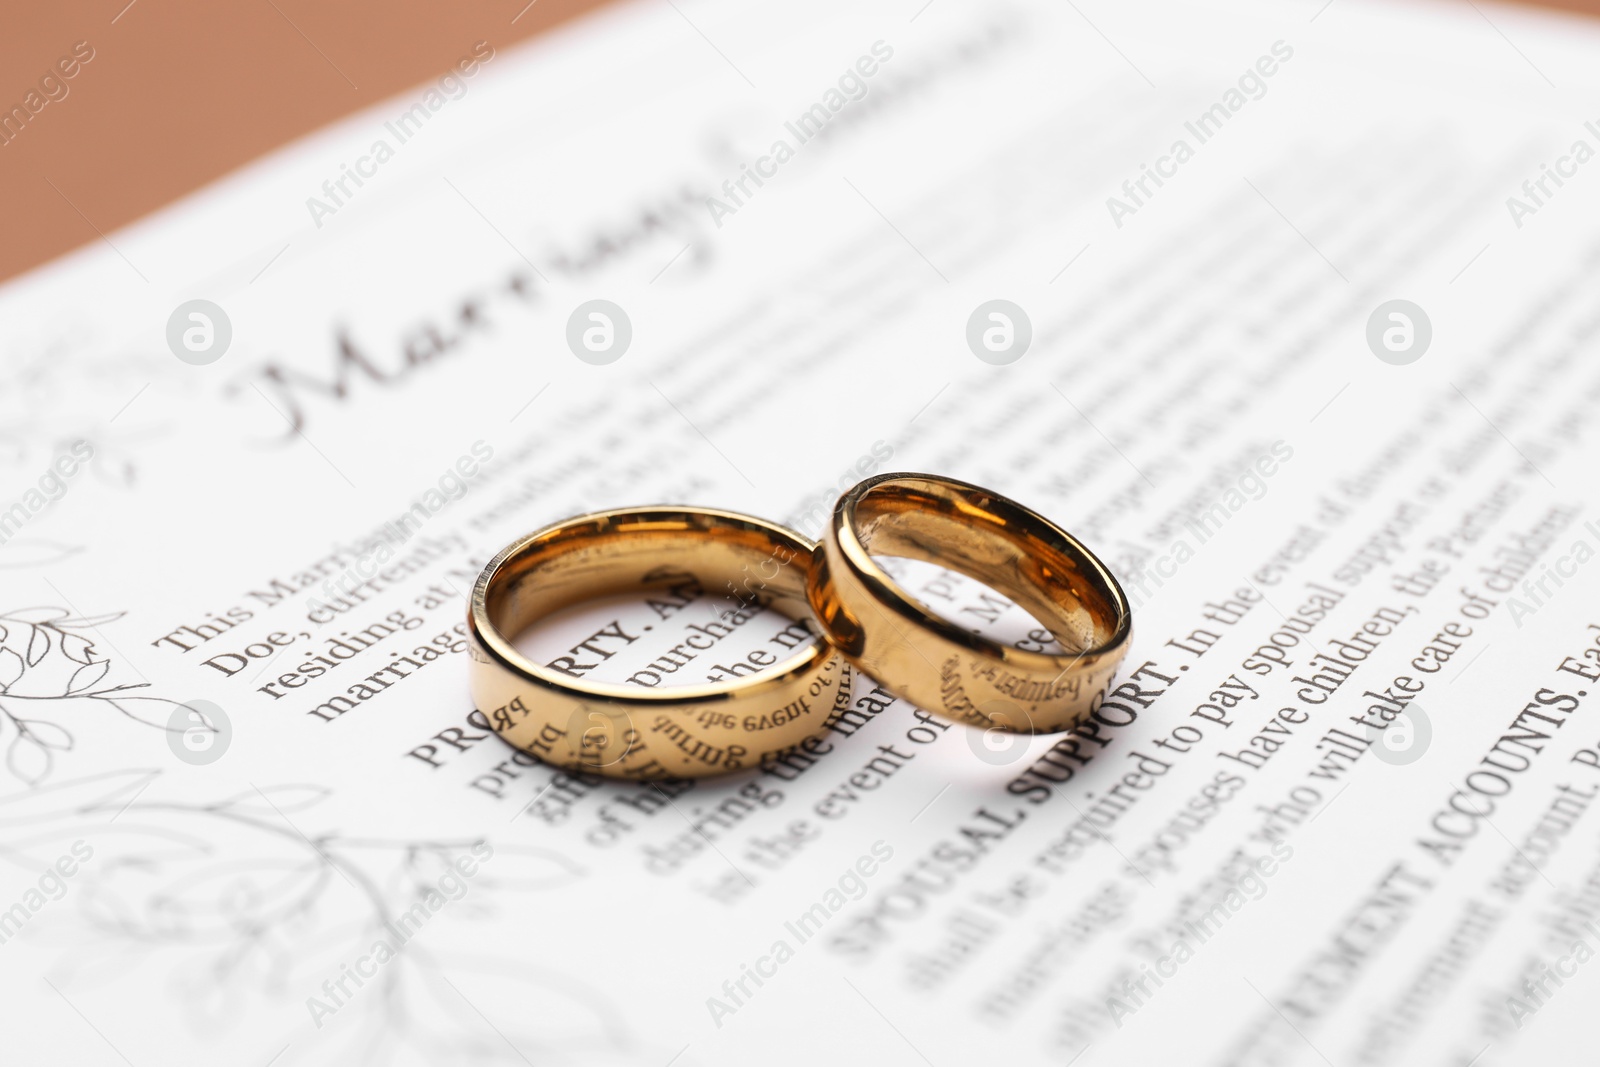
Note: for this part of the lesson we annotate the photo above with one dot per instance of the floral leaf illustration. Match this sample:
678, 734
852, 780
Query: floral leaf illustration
10, 667
36, 615
87, 675
38, 645
77, 796
89, 622
48, 734
28, 760
120, 703
78, 649
212, 898
106, 694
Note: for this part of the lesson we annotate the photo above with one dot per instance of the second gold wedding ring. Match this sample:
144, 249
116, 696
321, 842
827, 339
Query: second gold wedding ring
930, 661
726, 569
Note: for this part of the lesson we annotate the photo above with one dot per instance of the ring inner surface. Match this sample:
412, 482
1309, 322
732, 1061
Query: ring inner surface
731, 566
996, 543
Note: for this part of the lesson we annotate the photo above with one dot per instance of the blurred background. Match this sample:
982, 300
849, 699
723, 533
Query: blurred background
177, 93
180, 92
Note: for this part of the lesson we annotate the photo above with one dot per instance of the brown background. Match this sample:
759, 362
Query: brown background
180, 92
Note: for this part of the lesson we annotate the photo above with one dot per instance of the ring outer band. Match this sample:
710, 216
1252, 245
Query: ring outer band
924, 658
627, 732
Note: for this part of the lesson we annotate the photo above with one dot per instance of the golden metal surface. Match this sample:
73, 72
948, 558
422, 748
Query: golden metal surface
644, 733
926, 659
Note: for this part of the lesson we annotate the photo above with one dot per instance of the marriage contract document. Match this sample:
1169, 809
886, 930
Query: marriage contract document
1280, 308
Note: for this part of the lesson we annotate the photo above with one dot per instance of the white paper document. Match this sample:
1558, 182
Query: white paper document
1288, 311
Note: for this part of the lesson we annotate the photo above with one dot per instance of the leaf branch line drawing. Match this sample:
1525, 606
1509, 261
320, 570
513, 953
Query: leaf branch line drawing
232, 899
48, 661
235, 903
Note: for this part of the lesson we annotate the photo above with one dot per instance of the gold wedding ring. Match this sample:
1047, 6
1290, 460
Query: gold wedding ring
935, 664
719, 569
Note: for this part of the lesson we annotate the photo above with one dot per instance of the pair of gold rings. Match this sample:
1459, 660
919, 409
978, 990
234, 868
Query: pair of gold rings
850, 609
